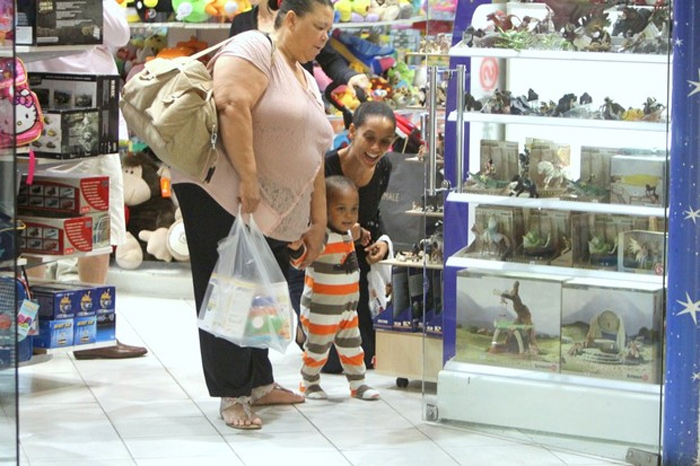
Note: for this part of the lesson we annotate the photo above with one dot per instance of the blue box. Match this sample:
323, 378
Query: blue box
24, 348
85, 330
54, 333
105, 298
60, 300
106, 327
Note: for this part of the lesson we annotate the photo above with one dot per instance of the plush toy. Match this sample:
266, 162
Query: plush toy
386, 10
191, 11
151, 217
227, 9
148, 10
355, 11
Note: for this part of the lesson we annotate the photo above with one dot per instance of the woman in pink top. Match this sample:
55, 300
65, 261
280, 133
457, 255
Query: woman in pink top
273, 133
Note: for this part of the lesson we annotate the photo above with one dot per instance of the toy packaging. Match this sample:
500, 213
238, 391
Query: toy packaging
56, 236
594, 238
509, 320
64, 195
547, 236
15, 92
638, 180
641, 251
612, 330
62, 300
549, 167
59, 22
497, 232
69, 134
593, 184
88, 92
55, 333
106, 327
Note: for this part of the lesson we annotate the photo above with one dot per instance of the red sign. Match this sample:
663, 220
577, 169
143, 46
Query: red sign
488, 74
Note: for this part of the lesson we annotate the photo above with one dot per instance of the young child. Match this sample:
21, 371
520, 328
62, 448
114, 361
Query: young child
331, 292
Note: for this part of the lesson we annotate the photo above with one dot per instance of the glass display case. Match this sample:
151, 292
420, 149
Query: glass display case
557, 145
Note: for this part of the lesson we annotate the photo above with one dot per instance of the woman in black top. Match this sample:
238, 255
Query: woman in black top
262, 15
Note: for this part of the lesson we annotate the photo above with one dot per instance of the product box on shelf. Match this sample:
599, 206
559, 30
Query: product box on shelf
637, 180
497, 232
85, 330
594, 239
547, 236
612, 329
65, 195
56, 236
66, 91
106, 327
641, 251
59, 300
433, 319
548, 166
594, 182
101, 229
498, 166
507, 319
59, 22
54, 333
69, 134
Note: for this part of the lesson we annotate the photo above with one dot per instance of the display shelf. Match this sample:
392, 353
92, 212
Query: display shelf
557, 204
68, 349
180, 25
414, 264
373, 24
10, 264
408, 355
33, 260
462, 262
424, 213
462, 50
476, 117
427, 54
31, 53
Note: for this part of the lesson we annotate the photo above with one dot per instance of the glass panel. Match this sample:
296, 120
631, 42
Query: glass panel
555, 230
8, 292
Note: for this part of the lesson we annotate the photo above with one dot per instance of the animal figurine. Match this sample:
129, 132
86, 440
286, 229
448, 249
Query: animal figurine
553, 174
492, 242
640, 252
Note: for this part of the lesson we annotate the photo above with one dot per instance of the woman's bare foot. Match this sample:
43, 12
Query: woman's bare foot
279, 396
237, 414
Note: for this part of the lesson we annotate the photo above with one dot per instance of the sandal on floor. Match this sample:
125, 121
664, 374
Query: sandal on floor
313, 392
237, 414
278, 395
365, 392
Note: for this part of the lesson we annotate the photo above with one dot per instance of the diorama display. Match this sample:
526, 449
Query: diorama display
509, 320
612, 330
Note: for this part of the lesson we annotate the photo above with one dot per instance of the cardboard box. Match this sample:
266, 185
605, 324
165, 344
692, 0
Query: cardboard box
106, 327
638, 180
85, 330
56, 236
510, 320
101, 230
69, 134
612, 330
595, 237
64, 195
497, 232
58, 300
548, 166
641, 251
547, 236
59, 22
65, 91
54, 333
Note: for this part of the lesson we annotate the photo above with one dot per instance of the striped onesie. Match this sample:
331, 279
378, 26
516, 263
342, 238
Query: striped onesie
329, 311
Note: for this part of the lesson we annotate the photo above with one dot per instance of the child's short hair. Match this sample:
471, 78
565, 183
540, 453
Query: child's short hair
336, 184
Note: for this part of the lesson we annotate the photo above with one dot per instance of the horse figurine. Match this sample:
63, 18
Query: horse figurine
554, 174
491, 241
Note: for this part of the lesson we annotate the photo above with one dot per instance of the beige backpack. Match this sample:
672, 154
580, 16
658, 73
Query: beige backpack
170, 106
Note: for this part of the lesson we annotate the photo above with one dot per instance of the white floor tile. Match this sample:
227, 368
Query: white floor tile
156, 410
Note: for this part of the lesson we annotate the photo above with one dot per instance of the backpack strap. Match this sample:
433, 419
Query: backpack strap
214, 47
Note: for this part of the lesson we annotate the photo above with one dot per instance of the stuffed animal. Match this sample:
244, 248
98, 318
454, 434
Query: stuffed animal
191, 11
227, 9
151, 216
148, 10
355, 11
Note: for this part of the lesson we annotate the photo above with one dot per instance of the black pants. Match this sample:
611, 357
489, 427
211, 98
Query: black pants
365, 322
229, 370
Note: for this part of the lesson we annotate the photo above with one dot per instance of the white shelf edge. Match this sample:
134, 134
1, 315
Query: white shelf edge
10, 264
423, 213
37, 259
414, 264
372, 24
615, 57
180, 25
68, 349
476, 117
518, 267
557, 204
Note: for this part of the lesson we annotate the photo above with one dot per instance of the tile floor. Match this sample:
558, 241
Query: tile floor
155, 411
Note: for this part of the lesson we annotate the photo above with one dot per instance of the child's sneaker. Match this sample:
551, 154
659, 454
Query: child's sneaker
313, 392
365, 392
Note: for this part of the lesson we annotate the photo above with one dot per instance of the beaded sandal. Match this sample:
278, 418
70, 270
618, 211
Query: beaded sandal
231, 409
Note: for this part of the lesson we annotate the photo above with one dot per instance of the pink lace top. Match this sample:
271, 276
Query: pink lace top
290, 136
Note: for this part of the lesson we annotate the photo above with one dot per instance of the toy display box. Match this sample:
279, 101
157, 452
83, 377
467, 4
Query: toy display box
498, 166
59, 22
548, 167
65, 91
106, 328
638, 180
101, 230
497, 233
612, 330
56, 236
509, 320
65, 195
642, 251
594, 239
399, 315
55, 333
547, 236
60, 300
594, 182
69, 134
